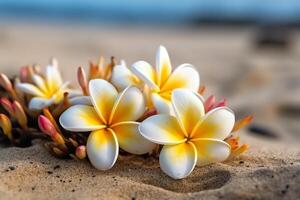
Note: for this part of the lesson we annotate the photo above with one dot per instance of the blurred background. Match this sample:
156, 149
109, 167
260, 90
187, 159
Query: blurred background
246, 51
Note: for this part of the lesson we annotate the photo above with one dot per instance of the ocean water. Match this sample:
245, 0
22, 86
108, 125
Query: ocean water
151, 11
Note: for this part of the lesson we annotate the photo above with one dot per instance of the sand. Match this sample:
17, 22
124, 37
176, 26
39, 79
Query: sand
265, 83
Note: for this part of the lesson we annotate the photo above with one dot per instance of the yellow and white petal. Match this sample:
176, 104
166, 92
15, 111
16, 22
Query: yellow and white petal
30, 89
129, 106
216, 124
102, 149
178, 161
131, 140
39, 103
211, 151
188, 108
162, 105
185, 76
103, 96
53, 77
122, 77
81, 118
40, 82
162, 129
163, 66
146, 73
81, 100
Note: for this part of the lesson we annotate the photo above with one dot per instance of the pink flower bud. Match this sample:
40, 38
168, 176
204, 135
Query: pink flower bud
46, 126
7, 105
81, 152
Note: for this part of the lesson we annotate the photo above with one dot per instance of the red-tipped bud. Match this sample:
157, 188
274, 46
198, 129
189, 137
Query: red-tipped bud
7, 105
5, 82
242, 123
81, 76
5, 125
81, 152
46, 126
19, 114
209, 103
25, 74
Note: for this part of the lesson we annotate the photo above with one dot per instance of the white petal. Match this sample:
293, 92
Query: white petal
188, 108
30, 89
39, 103
81, 118
162, 105
185, 76
162, 129
102, 149
163, 65
131, 140
81, 100
103, 96
178, 161
122, 77
53, 77
216, 124
211, 151
145, 72
39, 81
129, 106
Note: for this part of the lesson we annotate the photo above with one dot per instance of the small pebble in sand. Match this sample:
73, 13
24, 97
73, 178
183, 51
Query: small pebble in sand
50, 172
12, 168
56, 167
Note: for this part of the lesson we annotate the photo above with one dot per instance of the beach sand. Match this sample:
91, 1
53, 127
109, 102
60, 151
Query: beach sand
261, 82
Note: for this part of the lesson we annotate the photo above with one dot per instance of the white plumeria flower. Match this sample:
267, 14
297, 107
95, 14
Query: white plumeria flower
45, 91
122, 77
191, 137
112, 120
162, 80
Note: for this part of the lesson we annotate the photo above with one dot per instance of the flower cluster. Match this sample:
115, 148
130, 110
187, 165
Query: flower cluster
158, 111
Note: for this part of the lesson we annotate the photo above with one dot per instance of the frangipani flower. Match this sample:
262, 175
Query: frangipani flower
122, 77
192, 136
112, 122
162, 80
46, 90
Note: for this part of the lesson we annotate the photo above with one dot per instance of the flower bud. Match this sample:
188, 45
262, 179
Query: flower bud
5, 124
7, 105
19, 114
81, 76
81, 152
46, 126
221, 103
5, 82
24, 74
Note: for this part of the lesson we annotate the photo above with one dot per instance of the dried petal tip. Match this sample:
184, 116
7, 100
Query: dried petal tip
202, 89
242, 149
5, 125
81, 152
209, 103
242, 123
20, 114
81, 76
5, 82
46, 126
